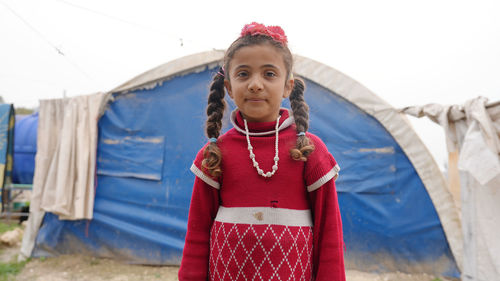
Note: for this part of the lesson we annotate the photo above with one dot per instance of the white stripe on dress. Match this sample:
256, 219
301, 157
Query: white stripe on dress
264, 215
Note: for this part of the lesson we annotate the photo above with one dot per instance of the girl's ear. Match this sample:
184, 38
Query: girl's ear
227, 85
288, 87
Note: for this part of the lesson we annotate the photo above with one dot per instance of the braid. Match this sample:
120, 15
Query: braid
215, 111
300, 109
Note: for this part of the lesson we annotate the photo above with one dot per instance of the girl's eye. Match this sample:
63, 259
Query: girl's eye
242, 74
270, 74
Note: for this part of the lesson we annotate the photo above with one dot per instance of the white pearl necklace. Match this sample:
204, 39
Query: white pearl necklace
252, 155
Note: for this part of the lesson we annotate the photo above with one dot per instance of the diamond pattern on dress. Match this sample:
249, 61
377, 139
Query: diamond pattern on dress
260, 252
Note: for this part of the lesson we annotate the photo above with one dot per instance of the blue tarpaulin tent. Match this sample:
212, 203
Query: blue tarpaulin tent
397, 213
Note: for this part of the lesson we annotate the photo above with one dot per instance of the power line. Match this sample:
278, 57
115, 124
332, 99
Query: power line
58, 50
106, 15
137, 25
32, 28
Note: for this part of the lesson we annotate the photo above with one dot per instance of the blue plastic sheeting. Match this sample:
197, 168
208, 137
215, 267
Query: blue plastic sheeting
26, 129
137, 219
131, 156
389, 220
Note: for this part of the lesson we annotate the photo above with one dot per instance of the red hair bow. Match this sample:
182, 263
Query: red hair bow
274, 32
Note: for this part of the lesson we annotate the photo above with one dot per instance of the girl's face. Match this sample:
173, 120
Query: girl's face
258, 82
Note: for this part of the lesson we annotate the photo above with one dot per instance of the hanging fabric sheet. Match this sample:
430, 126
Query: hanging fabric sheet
64, 178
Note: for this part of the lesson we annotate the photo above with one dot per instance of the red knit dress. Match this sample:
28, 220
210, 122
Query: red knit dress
243, 226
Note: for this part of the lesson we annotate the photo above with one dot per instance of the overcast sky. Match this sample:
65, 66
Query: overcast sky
407, 52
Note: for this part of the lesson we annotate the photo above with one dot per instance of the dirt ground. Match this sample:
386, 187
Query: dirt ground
76, 267
85, 268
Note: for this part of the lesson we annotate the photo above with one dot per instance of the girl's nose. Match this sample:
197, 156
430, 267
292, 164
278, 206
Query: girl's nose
255, 85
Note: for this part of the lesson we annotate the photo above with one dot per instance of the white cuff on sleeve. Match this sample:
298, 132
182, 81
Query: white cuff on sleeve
333, 173
204, 177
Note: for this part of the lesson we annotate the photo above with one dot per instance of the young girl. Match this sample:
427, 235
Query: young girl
264, 204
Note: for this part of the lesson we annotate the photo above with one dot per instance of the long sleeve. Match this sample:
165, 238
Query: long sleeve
202, 211
328, 245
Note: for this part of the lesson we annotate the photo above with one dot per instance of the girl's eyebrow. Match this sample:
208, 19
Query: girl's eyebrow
269, 66
242, 66
264, 66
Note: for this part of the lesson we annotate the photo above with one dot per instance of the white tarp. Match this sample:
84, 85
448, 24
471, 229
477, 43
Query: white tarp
64, 178
474, 130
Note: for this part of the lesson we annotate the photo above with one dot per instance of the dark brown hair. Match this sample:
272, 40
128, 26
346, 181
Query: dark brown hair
216, 104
